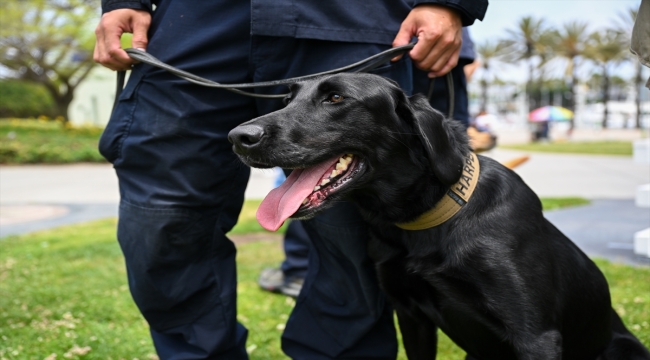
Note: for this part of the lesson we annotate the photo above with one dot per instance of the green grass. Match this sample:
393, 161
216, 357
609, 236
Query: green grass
621, 148
50, 142
563, 202
66, 288
64, 291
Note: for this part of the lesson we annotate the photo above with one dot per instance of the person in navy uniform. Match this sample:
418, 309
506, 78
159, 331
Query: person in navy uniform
182, 187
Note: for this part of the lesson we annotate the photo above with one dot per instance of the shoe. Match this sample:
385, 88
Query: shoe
273, 280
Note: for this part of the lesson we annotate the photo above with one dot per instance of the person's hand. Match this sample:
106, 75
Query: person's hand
439, 32
108, 49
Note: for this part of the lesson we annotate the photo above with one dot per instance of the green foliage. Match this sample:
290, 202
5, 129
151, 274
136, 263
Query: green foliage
19, 99
51, 142
64, 291
49, 43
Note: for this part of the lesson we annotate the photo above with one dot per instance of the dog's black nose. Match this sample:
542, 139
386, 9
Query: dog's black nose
246, 137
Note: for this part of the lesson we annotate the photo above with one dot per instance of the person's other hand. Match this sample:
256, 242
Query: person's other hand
439, 32
108, 49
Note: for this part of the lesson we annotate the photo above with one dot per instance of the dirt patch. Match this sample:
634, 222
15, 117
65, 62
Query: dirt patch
15, 214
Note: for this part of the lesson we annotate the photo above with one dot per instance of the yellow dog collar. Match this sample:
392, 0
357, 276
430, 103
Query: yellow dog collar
456, 197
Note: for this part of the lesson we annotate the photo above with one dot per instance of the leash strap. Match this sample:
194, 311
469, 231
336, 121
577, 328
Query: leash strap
456, 197
450, 91
364, 65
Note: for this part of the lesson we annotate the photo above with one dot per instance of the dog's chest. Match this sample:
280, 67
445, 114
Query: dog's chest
420, 274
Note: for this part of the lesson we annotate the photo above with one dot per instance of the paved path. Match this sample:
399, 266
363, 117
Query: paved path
36, 197
40, 197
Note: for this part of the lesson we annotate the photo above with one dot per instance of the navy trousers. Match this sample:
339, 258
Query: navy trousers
182, 189
296, 250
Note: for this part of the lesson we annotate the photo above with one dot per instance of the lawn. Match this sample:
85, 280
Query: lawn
64, 292
52, 142
622, 148
563, 202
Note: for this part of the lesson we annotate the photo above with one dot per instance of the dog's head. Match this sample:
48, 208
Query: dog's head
349, 134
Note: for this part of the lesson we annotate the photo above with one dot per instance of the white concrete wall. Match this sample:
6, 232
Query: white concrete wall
93, 98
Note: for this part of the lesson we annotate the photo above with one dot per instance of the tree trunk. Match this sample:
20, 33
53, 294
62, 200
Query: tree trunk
605, 96
638, 83
484, 95
529, 85
61, 107
572, 91
62, 100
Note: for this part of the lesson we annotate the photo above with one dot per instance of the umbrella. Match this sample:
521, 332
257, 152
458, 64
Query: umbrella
550, 113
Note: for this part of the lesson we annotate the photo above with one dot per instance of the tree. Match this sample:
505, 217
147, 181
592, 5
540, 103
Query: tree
624, 28
49, 42
570, 44
526, 45
546, 44
607, 50
488, 52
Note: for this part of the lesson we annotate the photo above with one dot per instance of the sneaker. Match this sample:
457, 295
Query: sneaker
273, 280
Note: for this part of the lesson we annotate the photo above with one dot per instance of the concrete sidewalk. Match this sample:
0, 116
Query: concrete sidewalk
39, 197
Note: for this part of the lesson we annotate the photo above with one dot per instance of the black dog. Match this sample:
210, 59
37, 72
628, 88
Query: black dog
498, 278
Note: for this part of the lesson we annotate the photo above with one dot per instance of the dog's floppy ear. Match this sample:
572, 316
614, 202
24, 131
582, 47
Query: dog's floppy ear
445, 143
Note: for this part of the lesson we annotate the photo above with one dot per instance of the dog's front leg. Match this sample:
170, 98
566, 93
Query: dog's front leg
420, 336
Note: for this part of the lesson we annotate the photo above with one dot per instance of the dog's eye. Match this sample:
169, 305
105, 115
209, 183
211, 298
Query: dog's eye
335, 98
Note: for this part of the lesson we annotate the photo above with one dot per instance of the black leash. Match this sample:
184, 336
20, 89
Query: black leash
364, 65
450, 93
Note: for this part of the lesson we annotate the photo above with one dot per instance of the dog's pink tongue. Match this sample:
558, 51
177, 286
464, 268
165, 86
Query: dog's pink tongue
285, 200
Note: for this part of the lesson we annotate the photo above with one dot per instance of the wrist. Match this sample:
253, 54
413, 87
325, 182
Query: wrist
454, 16
110, 5
467, 12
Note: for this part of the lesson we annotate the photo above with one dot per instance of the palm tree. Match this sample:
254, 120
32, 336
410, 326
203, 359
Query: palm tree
525, 43
606, 49
488, 52
570, 44
624, 28
545, 52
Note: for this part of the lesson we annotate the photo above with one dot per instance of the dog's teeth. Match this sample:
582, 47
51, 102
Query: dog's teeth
304, 202
334, 173
341, 166
316, 188
325, 182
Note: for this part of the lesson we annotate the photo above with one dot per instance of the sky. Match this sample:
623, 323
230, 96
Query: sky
505, 14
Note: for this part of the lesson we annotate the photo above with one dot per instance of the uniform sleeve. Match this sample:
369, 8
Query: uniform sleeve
110, 5
470, 10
